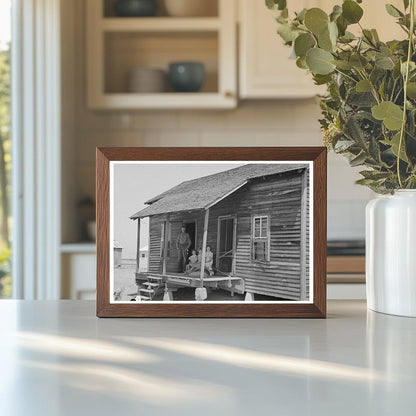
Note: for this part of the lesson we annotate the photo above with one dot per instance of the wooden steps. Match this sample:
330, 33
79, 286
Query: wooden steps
149, 288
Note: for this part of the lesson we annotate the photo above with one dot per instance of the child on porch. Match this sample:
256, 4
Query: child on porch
193, 262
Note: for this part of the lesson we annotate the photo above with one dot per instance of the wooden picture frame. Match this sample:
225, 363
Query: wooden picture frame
253, 159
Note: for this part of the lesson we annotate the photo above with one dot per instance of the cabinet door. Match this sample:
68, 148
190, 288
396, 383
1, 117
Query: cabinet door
265, 68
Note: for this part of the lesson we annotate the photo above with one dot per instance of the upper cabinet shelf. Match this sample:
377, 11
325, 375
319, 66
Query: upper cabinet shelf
160, 24
128, 58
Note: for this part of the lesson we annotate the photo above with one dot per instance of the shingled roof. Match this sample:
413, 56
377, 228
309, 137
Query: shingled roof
202, 193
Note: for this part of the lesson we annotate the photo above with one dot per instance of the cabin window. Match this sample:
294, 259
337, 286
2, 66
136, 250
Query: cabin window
165, 233
260, 239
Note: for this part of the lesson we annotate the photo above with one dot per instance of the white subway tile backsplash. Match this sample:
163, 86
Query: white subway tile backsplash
259, 123
170, 138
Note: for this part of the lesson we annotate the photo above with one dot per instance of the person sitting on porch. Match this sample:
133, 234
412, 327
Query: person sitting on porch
193, 262
197, 265
183, 242
209, 260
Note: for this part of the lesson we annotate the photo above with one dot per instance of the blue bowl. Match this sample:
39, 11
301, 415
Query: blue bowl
187, 76
135, 8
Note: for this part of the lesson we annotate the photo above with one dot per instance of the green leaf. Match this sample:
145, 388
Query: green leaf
325, 42
374, 175
363, 86
358, 61
384, 62
358, 160
375, 35
344, 65
301, 15
316, 20
388, 112
368, 36
336, 12
351, 11
276, 4
412, 67
411, 90
287, 33
393, 11
394, 145
342, 25
301, 63
343, 145
321, 79
406, 4
303, 43
347, 37
333, 32
320, 61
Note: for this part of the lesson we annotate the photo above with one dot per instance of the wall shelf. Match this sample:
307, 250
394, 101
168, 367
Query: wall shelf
160, 24
81, 247
116, 46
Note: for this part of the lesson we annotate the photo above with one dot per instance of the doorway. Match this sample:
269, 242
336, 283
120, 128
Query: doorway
226, 244
190, 228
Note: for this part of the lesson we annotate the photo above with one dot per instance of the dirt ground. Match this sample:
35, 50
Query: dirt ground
124, 281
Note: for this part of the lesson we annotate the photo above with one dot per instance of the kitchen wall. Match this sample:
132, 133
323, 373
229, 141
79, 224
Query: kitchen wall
253, 123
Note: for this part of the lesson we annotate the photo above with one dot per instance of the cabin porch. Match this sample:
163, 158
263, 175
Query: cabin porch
150, 284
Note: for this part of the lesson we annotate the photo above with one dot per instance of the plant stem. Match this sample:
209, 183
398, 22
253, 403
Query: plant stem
406, 80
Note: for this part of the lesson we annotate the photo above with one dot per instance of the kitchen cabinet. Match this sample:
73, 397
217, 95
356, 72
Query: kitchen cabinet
264, 65
78, 263
118, 45
265, 69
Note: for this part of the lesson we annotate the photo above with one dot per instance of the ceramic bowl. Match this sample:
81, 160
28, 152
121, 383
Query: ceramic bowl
147, 80
135, 8
186, 76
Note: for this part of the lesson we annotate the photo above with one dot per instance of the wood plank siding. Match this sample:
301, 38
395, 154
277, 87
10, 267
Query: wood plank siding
279, 198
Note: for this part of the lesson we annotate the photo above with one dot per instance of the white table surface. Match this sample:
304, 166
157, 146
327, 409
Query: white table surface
57, 358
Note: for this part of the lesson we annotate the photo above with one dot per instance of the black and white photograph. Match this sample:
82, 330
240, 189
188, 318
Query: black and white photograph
226, 232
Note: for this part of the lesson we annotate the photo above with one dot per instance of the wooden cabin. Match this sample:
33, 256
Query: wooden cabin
254, 217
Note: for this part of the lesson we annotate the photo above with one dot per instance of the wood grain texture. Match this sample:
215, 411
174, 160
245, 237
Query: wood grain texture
346, 264
317, 309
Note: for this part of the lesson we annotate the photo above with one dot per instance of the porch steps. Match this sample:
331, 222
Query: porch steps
149, 288
151, 284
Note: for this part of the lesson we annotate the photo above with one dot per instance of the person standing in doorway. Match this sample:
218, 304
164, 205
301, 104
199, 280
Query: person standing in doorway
183, 242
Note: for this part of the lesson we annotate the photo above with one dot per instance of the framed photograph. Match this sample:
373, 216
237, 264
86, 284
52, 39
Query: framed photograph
211, 232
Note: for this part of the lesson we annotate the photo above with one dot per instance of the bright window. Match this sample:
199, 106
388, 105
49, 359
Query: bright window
5, 145
260, 239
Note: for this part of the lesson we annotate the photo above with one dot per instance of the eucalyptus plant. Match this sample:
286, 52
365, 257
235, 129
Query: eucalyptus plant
369, 111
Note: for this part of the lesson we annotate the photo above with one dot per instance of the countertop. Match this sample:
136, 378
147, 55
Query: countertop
57, 358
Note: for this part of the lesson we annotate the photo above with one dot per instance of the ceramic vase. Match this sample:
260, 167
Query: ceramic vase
391, 253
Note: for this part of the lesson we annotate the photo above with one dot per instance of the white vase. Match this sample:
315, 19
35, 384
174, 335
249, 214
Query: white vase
391, 253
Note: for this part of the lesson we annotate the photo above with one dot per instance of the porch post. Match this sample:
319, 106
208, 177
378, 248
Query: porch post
138, 247
165, 244
204, 244
303, 234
